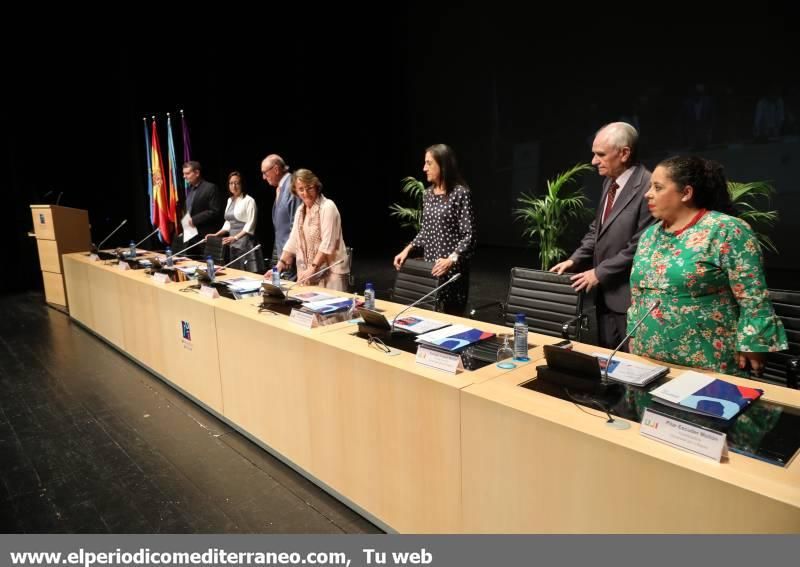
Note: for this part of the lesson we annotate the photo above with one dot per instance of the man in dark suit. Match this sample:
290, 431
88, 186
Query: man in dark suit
606, 252
204, 202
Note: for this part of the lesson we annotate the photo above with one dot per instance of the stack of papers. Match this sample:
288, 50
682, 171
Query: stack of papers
706, 395
418, 325
454, 337
326, 306
311, 296
244, 284
630, 372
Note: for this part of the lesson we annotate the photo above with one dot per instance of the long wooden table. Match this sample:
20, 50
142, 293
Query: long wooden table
416, 449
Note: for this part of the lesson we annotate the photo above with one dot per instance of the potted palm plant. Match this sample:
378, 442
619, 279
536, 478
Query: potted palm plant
410, 216
748, 200
547, 217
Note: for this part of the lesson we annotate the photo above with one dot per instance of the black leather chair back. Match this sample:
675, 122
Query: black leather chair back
550, 305
413, 281
784, 367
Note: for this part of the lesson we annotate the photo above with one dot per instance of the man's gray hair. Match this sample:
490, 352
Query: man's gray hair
620, 135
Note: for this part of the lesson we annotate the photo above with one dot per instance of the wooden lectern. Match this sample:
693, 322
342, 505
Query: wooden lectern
58, 230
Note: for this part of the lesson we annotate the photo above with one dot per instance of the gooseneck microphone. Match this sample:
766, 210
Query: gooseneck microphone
253, 249
315, 274
97, 247
146, 237
418, 301
655, 304
198, 243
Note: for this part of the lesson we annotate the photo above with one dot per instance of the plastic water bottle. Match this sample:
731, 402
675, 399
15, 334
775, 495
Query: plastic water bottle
132, 249
276, 277
369, 296
210, 267
521, 338
170, 262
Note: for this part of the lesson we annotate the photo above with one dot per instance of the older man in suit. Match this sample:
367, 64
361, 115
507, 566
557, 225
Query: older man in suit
204, 202
276, 173
605, 255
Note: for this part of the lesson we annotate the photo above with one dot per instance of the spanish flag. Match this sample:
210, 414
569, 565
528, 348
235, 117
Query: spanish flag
161, 216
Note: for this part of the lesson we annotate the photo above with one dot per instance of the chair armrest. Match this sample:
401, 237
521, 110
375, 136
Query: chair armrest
578, 319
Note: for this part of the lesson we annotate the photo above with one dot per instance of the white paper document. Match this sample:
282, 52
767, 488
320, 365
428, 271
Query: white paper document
189, 231
418, 325
244, 284
630, 372
311, 296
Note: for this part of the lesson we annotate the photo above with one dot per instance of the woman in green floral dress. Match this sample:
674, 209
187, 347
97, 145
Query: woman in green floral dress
705, 267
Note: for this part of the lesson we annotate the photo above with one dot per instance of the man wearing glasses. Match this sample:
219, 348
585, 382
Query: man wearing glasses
276, 173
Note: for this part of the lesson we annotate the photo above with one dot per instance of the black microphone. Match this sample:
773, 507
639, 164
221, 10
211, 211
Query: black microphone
253, 249
146, 237
315, 274
95, 248
655, 304
198, 243
418, 301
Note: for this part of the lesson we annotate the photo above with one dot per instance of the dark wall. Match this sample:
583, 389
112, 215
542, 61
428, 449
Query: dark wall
357, 96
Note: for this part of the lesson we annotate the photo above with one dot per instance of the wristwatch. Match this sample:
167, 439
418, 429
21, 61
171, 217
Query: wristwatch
453, 257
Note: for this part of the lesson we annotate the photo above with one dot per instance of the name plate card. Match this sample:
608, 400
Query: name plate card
209, 292
449, 362
123, 266
301, 318
94, 257
161, 278
687, 436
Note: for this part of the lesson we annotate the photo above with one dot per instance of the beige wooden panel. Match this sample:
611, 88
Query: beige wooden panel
76, 279
54, 288
191, 364
139, 308
48, 256
264, 382
43, 222
534, 463
105, 301
71, 229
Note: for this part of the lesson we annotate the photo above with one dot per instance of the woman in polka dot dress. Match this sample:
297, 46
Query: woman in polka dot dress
447, 236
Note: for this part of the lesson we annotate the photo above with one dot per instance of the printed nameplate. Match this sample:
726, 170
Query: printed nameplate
687, 436
123, 266
94, 257
449, 362
159, 277
209, 292
301, 318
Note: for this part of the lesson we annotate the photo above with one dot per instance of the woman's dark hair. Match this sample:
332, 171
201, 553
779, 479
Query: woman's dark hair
706, 177
445, 158
241, 180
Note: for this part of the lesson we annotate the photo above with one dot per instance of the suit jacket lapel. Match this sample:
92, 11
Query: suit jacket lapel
628, 193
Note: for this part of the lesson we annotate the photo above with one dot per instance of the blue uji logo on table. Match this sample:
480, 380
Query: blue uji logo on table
185, 331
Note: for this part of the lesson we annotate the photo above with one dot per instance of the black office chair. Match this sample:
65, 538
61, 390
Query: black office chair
218, 251
550, 305
783, 368
413, 281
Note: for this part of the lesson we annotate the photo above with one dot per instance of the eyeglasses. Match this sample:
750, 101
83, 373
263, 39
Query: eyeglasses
379, 344
270, 168
305, 188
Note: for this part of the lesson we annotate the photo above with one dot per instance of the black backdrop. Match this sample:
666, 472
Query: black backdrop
356, 96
